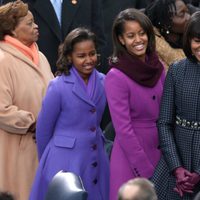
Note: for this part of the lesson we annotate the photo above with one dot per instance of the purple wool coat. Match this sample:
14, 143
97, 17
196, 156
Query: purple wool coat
134, 110
69, 137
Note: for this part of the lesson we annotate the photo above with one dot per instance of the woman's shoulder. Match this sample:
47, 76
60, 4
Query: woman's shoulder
117, 77
178, 68
55, 85
41, 55
114, 72
55, 82
6, 60
179, 65
4, 55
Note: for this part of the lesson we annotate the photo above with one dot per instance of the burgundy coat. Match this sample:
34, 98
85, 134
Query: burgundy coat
134, 110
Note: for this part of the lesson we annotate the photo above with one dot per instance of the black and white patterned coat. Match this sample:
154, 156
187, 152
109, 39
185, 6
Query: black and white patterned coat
180, 145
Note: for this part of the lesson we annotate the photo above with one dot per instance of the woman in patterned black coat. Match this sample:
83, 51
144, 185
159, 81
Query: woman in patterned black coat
178, 172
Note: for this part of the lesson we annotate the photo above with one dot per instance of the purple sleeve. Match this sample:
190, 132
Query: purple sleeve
47, 117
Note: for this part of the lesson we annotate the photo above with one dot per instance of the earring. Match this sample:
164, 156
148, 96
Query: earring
164, 29
167, 29
167, 32
113, 60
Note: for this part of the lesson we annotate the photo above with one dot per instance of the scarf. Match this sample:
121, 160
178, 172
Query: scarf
144, 73
90, 87
31, 52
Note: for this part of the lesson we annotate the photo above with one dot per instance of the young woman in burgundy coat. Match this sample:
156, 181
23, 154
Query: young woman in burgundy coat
134, 87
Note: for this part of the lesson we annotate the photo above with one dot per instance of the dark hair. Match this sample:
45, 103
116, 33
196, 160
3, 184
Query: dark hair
6, 196
131, 14
161, 12
10, 14
191, 31
75, 36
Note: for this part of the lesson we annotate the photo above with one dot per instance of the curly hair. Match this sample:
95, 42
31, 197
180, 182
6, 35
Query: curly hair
10, 15
75, 36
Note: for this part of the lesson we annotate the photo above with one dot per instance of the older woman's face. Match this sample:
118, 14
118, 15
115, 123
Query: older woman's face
181, 17
26, 31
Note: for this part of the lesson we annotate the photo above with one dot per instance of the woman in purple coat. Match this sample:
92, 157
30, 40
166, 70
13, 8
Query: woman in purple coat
68, 134
134, 87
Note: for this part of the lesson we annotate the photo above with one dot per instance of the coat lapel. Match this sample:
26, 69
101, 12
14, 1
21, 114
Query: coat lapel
45, 9
99, 89
77, 89
80, 93
68, 12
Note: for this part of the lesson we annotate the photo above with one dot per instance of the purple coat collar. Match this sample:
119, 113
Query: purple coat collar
78, 90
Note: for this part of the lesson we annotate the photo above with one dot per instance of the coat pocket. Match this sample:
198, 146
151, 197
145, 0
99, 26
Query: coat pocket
64, 141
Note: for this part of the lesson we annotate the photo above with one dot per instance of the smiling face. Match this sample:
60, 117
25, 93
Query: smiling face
181, 17
84, 58
135, 39
26, 31
195, 48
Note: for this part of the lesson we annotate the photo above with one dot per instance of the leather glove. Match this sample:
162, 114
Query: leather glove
184, 188
182, 185
178, 190
181, 174
194, 178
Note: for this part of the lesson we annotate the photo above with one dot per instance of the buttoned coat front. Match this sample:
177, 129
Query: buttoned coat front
69, 137
180, 145
22, 87
134, 110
